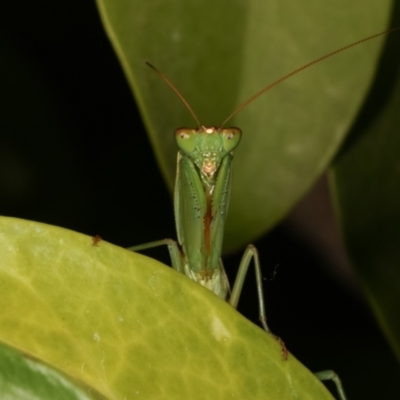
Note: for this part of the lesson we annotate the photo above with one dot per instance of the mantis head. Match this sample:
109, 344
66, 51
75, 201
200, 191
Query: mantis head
207, 146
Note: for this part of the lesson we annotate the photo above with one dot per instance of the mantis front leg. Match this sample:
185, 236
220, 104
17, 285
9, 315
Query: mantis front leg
173, 249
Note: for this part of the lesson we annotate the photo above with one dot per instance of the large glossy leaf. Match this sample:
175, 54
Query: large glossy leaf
128, 326
220, 53
367, 182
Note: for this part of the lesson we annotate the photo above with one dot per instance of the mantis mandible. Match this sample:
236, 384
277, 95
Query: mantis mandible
202, 190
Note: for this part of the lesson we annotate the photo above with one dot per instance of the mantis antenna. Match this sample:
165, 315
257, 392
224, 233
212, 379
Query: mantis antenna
273, 84
296, 71
169, 83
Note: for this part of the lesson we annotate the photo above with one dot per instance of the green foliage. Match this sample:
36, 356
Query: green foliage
119, 322
23, 377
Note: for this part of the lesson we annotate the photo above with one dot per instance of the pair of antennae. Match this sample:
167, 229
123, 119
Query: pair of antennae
273, 84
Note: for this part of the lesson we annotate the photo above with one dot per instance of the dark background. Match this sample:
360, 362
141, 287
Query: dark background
74, 153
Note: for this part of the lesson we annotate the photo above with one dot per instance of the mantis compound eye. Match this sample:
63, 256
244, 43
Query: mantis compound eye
231, 138
186, 139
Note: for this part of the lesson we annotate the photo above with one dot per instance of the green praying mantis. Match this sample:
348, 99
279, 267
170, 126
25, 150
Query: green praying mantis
201, 199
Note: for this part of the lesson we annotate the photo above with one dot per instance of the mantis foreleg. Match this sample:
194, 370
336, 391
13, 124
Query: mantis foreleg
173, 248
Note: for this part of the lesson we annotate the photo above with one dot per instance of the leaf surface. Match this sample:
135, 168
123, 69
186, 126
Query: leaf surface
126, 325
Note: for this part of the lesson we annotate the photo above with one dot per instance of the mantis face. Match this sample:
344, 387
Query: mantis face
207, 146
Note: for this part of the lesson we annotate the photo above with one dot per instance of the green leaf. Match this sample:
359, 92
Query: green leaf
367, 183
22, 377
126, 325
219, 54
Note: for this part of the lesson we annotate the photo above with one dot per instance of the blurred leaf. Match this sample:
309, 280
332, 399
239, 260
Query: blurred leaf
126, 325
219, 54
367, 183
22, 377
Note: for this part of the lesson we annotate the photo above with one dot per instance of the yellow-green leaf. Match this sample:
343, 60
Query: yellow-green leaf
129, 327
